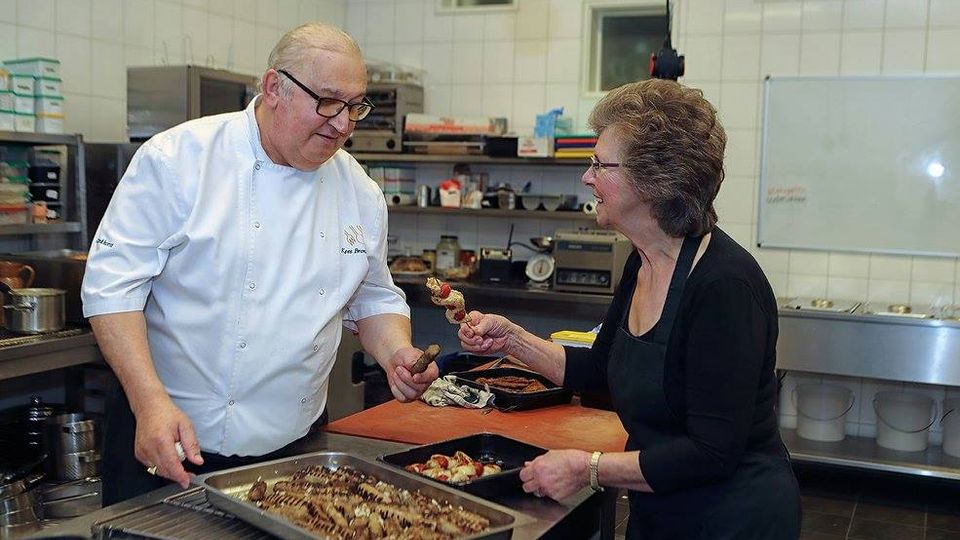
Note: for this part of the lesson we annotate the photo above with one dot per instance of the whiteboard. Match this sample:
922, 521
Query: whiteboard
869, 164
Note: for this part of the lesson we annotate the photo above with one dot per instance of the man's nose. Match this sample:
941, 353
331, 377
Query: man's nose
342, 121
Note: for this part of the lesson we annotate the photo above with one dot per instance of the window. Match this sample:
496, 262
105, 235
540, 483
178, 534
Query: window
474, 5
621, 41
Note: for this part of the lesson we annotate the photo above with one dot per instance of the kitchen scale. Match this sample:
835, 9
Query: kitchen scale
541, 265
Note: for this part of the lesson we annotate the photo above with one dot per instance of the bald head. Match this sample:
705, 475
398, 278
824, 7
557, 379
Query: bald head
301, 45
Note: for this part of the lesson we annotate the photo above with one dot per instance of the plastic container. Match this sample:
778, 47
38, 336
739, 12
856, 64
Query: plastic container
24, 104
35, 66
8, 121
572, 338
24, 122
448, 252
13, 194
4, 79
47, 87
45, 193
950, 423
13, 214
822, 410
49, 123
49, 105
22, 84
903, 419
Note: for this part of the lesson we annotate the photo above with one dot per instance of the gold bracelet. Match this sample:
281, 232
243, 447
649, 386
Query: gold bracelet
595, 471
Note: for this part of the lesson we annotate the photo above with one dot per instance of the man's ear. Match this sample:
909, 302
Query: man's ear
271, 87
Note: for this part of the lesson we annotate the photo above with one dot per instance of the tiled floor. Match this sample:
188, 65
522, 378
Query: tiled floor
840, 504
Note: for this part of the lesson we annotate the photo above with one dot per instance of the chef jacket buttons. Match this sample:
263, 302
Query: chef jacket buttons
316, 348
252, 285
257, 166
322, 235
231, 403
303, 400
243, 344
322, 292
256, 224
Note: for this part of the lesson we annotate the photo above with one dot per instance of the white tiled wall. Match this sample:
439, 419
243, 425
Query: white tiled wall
530, 61
519, 63
96, 40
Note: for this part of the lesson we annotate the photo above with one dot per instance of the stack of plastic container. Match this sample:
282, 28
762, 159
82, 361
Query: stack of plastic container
35, 92
14, 191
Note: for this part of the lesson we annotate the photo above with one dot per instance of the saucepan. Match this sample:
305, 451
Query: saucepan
34, 310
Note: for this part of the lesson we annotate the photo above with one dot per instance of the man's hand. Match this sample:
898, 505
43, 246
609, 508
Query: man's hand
405, 386
159, 427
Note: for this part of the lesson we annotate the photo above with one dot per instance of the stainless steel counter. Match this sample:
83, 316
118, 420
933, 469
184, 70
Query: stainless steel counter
576, 517
871, 346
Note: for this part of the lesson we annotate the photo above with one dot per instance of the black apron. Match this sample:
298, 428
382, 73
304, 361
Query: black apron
759, 501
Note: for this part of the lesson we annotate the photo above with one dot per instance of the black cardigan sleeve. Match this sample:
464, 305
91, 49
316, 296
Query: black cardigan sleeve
725, 339
585, 370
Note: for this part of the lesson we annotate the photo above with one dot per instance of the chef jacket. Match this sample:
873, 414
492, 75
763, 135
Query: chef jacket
246, 272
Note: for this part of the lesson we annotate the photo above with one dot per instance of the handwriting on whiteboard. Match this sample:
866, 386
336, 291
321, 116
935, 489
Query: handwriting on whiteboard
787, 194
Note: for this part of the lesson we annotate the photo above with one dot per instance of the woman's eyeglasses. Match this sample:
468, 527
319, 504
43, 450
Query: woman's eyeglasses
598, 166
329, 107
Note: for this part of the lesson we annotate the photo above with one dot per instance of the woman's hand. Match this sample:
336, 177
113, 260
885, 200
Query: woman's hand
487, 334
557, 474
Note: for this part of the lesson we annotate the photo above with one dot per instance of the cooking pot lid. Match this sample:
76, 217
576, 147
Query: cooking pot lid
37, 410
37, 291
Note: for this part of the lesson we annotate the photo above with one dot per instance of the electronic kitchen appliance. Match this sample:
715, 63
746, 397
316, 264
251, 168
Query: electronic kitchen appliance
160, 97
589, 260
382, 130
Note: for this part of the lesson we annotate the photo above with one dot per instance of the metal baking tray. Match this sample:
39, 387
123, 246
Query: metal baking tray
507, 400
509, 453
227, 490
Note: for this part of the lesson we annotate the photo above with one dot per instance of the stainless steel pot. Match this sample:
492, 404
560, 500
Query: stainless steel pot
66, 490
69, 434
75, 466
36, 310
72, 506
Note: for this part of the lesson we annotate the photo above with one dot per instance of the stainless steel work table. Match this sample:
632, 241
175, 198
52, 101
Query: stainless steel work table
576, 517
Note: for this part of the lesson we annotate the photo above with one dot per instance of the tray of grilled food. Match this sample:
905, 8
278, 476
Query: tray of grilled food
485, 464
516, 389
333, 495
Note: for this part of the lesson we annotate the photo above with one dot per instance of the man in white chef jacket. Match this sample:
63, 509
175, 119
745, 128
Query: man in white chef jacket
232, 254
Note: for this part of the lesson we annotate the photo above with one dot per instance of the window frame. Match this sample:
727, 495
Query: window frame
441, 9
594, 11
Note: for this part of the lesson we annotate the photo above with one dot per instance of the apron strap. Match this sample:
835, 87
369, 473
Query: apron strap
679, 280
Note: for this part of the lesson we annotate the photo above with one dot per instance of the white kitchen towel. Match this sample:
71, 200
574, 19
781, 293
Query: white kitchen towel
445, 391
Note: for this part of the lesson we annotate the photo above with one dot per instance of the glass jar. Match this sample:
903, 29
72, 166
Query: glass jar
448, 252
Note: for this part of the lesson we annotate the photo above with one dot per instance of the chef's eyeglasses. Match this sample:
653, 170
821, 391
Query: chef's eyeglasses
597, 166
329, 107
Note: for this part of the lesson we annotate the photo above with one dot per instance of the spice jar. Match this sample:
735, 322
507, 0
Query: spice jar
448, 252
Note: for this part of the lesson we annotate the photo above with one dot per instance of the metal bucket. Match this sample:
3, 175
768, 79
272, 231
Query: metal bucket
36, 310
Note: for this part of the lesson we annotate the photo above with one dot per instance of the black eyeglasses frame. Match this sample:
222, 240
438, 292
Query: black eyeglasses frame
344, 104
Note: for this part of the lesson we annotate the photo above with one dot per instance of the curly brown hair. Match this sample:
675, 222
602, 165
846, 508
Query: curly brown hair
672, 148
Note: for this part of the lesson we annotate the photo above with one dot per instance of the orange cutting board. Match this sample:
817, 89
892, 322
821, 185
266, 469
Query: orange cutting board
554, 428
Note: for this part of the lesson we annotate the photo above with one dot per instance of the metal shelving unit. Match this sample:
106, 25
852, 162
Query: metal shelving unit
864, 453
465, 158
492, 212
72, 193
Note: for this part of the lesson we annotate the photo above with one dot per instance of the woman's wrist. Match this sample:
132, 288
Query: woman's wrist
515, 343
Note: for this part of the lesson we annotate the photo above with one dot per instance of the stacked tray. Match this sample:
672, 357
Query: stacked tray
509, 454
227, 490
515, 400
